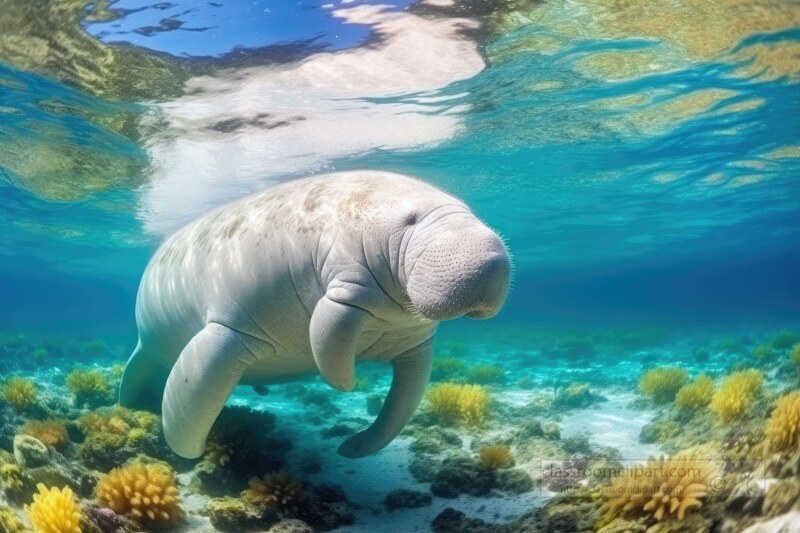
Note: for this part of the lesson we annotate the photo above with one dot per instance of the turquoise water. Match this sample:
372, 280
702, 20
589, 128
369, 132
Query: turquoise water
641, 165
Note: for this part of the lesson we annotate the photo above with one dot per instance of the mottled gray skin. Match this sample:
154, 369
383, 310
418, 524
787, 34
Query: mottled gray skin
310, 276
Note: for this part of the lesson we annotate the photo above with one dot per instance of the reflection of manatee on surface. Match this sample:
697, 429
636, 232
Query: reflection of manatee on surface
237, 130
305, 277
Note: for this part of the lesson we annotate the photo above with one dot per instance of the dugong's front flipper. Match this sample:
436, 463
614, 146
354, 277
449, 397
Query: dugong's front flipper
334, 331
412, 370
203, 377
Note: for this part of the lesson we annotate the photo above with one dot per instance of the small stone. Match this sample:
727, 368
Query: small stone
453, 521
515, 481
235, 514
462, 476
30, 452
407, 499
338, 430
291, 525
551, 431
782, 496
423, 469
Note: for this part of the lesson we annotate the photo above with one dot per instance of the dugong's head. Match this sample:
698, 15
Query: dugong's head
456, 266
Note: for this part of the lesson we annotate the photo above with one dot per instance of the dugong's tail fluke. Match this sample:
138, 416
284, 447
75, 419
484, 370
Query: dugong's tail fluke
412, 371
203, 378
143, 381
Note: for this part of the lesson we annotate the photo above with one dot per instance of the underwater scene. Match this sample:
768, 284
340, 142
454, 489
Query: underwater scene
400, 266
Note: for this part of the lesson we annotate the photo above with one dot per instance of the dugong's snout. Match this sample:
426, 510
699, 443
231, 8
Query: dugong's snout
461, 272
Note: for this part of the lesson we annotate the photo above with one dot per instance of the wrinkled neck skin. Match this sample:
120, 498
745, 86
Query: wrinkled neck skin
438, 265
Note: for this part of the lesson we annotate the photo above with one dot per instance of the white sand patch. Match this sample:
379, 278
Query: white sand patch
240, 130
614, 424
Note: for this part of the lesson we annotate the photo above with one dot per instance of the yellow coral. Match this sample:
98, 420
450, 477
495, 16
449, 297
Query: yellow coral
763, 352
50, 432
145, 493
696, 394
219, 454
20, 393
795, 354
498, 456
663, 487
278, 489
9, 521
453, 402
11, 476
116, 371
737, 392
783, 428
98, 422
88, 386
119, 421
484, 374
661, 384
54, 511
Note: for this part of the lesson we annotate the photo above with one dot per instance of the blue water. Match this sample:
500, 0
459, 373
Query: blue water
573, 185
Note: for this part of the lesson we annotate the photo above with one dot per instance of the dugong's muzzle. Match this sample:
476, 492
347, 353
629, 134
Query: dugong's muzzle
461, 270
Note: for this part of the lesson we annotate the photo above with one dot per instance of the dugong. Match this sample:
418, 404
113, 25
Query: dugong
309, 276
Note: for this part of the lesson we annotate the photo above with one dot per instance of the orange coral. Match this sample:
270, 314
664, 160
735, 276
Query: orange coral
663, 487
50, 432
278, 489
145, 493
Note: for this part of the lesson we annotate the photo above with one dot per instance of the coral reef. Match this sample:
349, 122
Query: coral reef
447, 369
238, 515
30, 452
794, 355
145, 493
576, 395
486, 374
783, 426
247, 436
54, 511
660, 385
784, 340
562, 475
462, 475
497, 456
277, 489
736, 394
435, 440
50, 432
90, 387
695, 395
10, 521
662, 488
19, 393
457, 403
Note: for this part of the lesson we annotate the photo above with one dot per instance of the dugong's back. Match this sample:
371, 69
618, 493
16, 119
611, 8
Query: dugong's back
254, 263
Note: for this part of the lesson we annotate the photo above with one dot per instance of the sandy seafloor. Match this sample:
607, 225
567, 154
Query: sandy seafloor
613, 420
